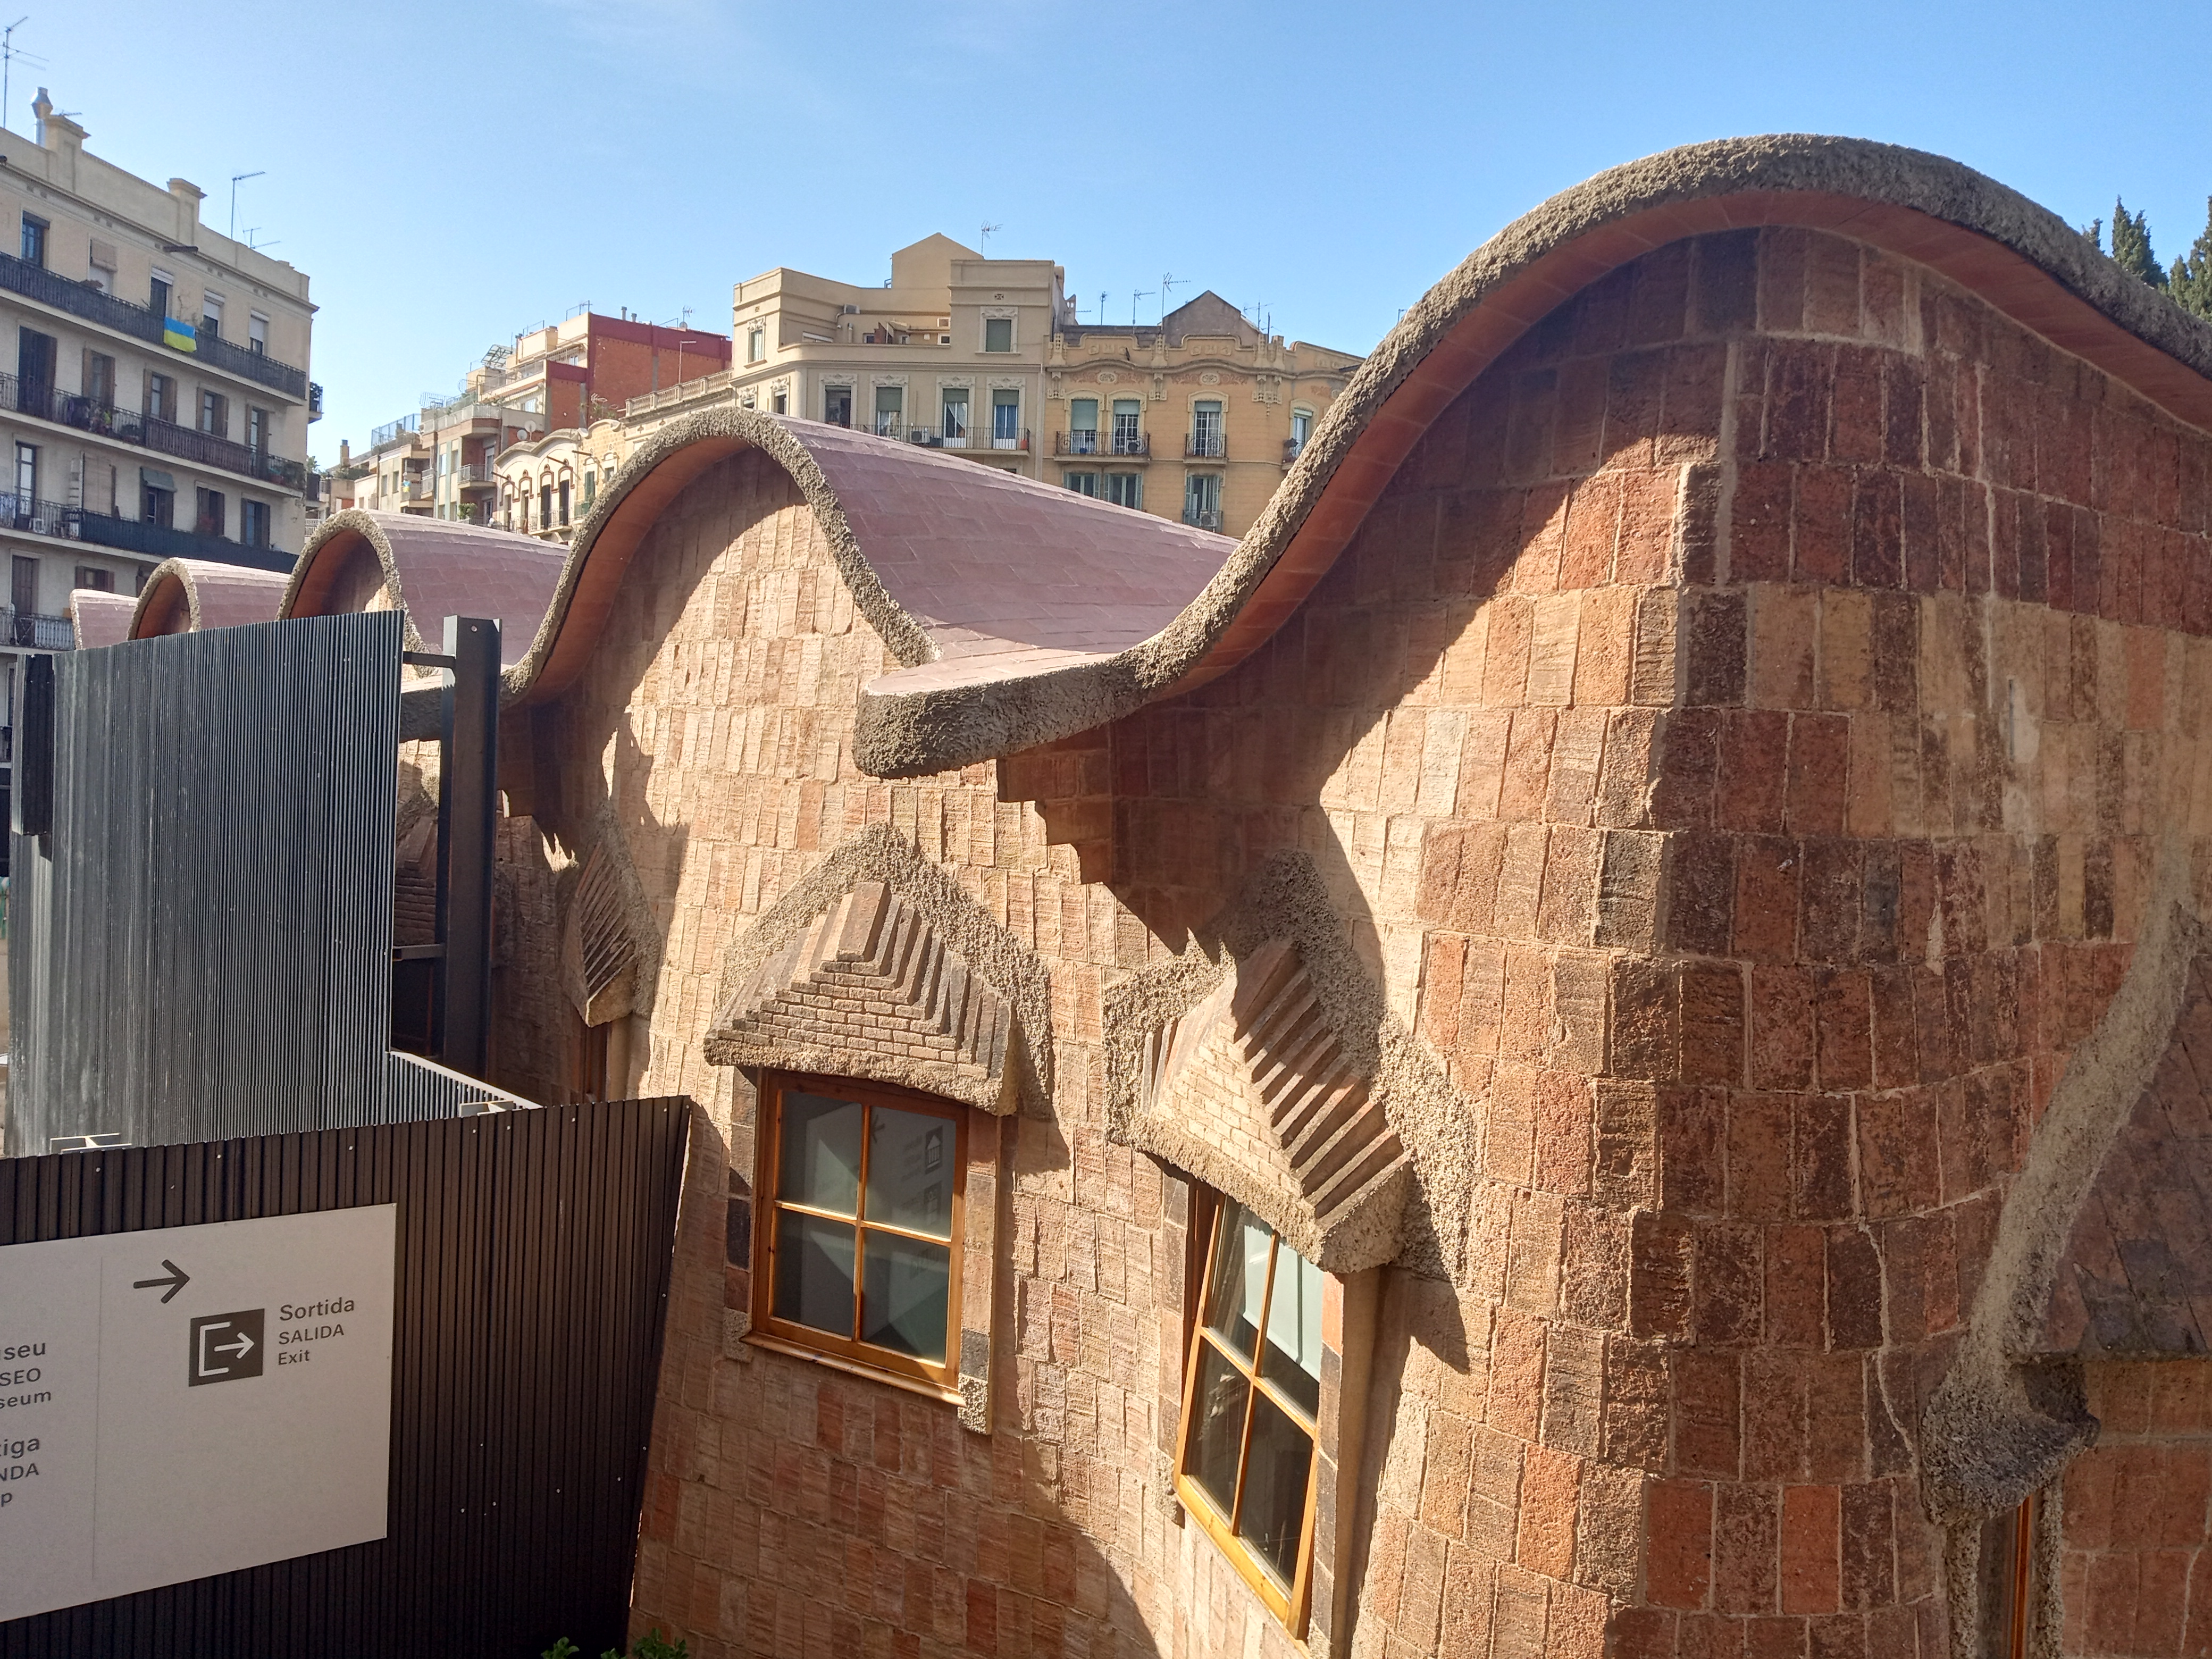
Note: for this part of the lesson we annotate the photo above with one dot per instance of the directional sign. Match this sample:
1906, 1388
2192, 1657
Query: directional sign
191, 1400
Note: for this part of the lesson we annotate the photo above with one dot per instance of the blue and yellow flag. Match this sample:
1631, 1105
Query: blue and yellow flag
182, 336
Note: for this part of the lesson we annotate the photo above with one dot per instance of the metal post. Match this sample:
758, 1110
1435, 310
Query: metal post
34, 749
468, 804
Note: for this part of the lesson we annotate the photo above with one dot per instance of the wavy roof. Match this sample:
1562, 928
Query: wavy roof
98, 617
184, 596
1020, 613
428, 568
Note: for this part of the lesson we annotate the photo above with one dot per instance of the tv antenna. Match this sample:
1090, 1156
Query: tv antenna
257, 246
1135, 296
1168, 282
9, 53
234, 179
1102, 309
985, 238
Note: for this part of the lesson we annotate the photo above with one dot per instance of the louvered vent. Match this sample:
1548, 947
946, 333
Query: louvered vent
599, 953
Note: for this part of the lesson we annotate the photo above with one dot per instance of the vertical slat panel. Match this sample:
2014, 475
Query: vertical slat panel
534, 1248
201, 946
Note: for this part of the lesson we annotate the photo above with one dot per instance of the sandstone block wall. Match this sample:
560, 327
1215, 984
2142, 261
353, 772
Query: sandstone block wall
1738, 744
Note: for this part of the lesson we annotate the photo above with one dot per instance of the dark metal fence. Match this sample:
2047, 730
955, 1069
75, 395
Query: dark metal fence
200, 946
533, 1277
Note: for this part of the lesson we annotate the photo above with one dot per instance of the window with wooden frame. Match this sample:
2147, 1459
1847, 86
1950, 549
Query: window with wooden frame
2011, 1586
1246, 1449
859, 1229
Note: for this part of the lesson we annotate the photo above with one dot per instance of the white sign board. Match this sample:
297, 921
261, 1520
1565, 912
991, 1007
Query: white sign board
191, 1400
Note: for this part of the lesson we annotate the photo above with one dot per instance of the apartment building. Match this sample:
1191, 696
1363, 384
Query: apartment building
158, 402
439, 460
1193, 417
1196, 417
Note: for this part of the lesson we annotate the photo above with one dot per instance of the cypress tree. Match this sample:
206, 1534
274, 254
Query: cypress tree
2131, 246
2192, 272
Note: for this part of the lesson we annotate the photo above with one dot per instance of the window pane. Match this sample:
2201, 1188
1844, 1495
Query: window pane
821, 1152
906, 1301
814, 1273
1240, 1276
1083, 415
910, 1171
998, 334
1217, 1426
1292, 1361
1276, 1476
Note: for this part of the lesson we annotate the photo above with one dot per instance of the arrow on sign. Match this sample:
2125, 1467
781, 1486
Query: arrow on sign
176, 1281
242, 1347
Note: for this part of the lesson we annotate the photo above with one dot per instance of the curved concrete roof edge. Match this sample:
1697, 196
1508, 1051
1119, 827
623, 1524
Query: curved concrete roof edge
2021, 258
109, 614
183, 576
618, 522
340, 527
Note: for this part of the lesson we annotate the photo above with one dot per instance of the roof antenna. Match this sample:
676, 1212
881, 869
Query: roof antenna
8, 57
1140, 293
986, 238
1167, 282
234, 179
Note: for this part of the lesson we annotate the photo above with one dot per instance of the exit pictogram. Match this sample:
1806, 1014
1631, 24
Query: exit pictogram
227, 1347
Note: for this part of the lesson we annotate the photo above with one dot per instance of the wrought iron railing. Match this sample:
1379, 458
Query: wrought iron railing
1206, 446
128, 426
141, 322
157, 541
1084, 442
38, 518
1133, 444
1292, 448
1205, 517
32, 632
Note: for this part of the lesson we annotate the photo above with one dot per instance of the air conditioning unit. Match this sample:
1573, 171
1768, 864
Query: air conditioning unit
852, 311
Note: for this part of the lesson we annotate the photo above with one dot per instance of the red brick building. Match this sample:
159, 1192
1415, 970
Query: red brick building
1587, 1044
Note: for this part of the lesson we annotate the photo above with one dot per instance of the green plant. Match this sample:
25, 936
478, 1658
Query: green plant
651, 1645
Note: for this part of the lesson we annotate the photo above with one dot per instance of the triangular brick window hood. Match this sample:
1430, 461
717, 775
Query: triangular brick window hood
1250, 1090
871, 989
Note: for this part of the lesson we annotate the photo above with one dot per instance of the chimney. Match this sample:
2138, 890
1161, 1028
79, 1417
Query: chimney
345, 454
188, 196
63, 137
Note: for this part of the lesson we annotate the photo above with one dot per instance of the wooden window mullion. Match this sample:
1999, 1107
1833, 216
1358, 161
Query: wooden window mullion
860, 1217
1252, 1389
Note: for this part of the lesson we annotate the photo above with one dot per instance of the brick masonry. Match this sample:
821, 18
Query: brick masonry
1737, 744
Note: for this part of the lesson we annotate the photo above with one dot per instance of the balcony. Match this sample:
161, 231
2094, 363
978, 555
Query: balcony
1203, 518
381, 435
1019, 442
37, 518
477, 475
27, 631
1292, 448
1205, 446
81, 300
85, 414
158, 541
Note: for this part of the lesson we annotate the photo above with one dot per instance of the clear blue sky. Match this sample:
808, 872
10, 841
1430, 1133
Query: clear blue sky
451, 174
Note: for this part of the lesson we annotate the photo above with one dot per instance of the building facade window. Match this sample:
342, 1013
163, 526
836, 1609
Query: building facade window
756, 344
99, 379
257, 334
891, 411
1301, 430
26, 475
95, 579
215, 414
837, 404
1083, 426
1246, 1444
161, 398
1083, 483
591, 486
158, 290
1205, 435
1128, 436
35, 240
1126, 489
859, 1238
1202, 501
211, 317
257, 429
212, 513
998, 334
1005, 419
954, 427
253, 523
158, 506
783, 405
564, 501
545, 507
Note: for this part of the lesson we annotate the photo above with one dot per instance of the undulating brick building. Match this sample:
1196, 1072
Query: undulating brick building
1589, 1043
